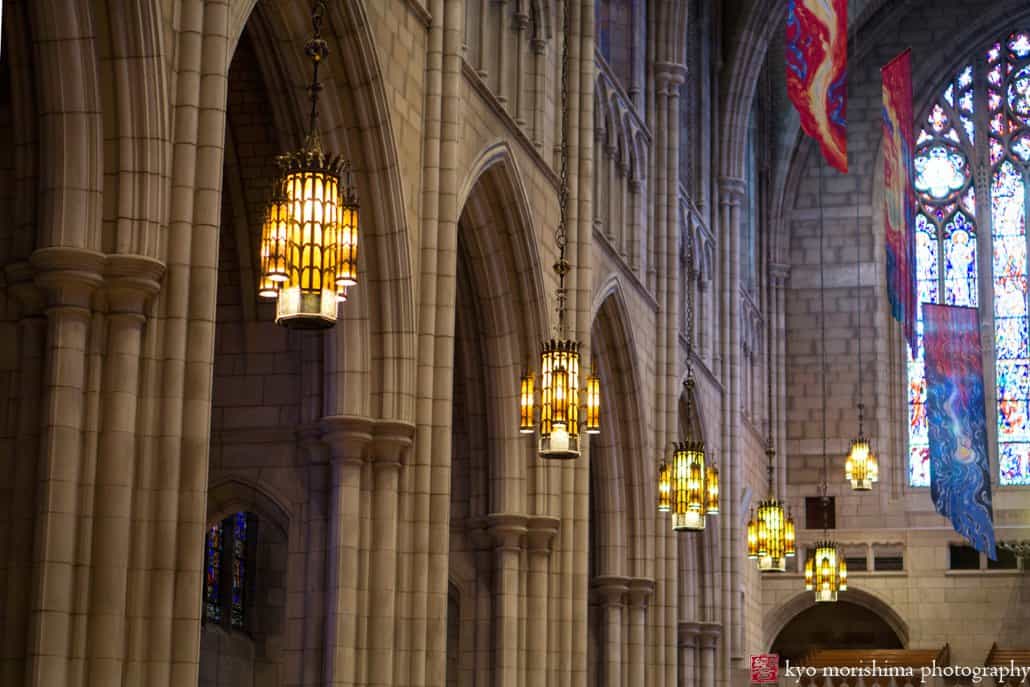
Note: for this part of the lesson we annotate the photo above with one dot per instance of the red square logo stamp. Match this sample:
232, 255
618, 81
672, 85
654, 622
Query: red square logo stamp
765, 668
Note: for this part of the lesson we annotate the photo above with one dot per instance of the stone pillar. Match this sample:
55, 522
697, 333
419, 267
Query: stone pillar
348, 438
69, 278
611, 590
389, 448
640, 591
689, 634
133, 283
507, 530
541, 531
709, 640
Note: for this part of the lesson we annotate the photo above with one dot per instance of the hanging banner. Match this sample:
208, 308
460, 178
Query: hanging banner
899, 206
960, 481
817, 71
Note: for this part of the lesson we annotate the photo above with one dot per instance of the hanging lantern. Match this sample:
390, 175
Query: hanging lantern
310, 234
861, 467
771, 531
688, 487
560, 360
826, 573
664, 488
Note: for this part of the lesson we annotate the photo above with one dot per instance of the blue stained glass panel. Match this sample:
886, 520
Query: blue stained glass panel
1019, 44
212, 573
960, 249
239, 558
1010, 338
919, 466
965, 102
1012, 421
1014, 463
965, 77
1013, 380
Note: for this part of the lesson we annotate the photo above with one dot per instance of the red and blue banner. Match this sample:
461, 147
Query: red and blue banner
817, 71
960, 480
899, 205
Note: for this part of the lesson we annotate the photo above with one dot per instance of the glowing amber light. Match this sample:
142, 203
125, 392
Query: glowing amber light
688, 492
770, 536
861, 468
593, 405
526, 405
347, 239
664, 488
712, 491
826, 573
559, 400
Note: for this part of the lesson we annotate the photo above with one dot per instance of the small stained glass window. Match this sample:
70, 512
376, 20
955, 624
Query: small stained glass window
229, 570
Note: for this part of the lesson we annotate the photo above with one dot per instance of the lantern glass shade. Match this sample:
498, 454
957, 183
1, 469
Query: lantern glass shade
593, 405
809, 574
308, 296
861, 468
664, 488
274, 245
688, 495
829, 572
559, 400
347, 243
526, 401
752, 536
790, 537
712, 491
772, 530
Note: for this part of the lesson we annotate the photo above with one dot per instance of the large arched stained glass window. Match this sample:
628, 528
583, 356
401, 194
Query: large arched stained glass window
978, 128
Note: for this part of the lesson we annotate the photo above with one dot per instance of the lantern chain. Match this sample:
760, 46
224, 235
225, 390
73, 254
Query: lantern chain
822, 350
858, 294
317, 49
562, 267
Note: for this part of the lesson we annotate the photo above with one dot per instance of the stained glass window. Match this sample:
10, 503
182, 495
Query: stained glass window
228, 569
213, 574
946, 245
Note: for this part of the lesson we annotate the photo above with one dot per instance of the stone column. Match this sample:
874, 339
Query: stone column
348, 438
708, 634
133, 283
68, 277
689, 634
507, 530
611, 590
389, 448
541, 531
640, 591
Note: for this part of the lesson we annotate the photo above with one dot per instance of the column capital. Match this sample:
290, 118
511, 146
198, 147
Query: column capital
541, 531
732, 190
611, 589
507, 530
688, 634
391, 440
20, 279
709, 634
348, 437
130, 281
640, 591
779, 273
68, 276
669, 76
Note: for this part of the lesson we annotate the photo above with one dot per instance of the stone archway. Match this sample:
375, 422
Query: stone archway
859, 620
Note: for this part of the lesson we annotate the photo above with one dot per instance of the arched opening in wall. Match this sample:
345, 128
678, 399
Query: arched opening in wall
614, 558
496, 327
840, 625
242, 642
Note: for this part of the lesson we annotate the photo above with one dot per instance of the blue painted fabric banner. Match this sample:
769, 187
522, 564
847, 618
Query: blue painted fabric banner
960, 478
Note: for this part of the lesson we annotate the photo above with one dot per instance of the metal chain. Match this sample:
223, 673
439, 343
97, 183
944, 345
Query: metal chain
561, 267
317, 49
861, 328
822, 351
